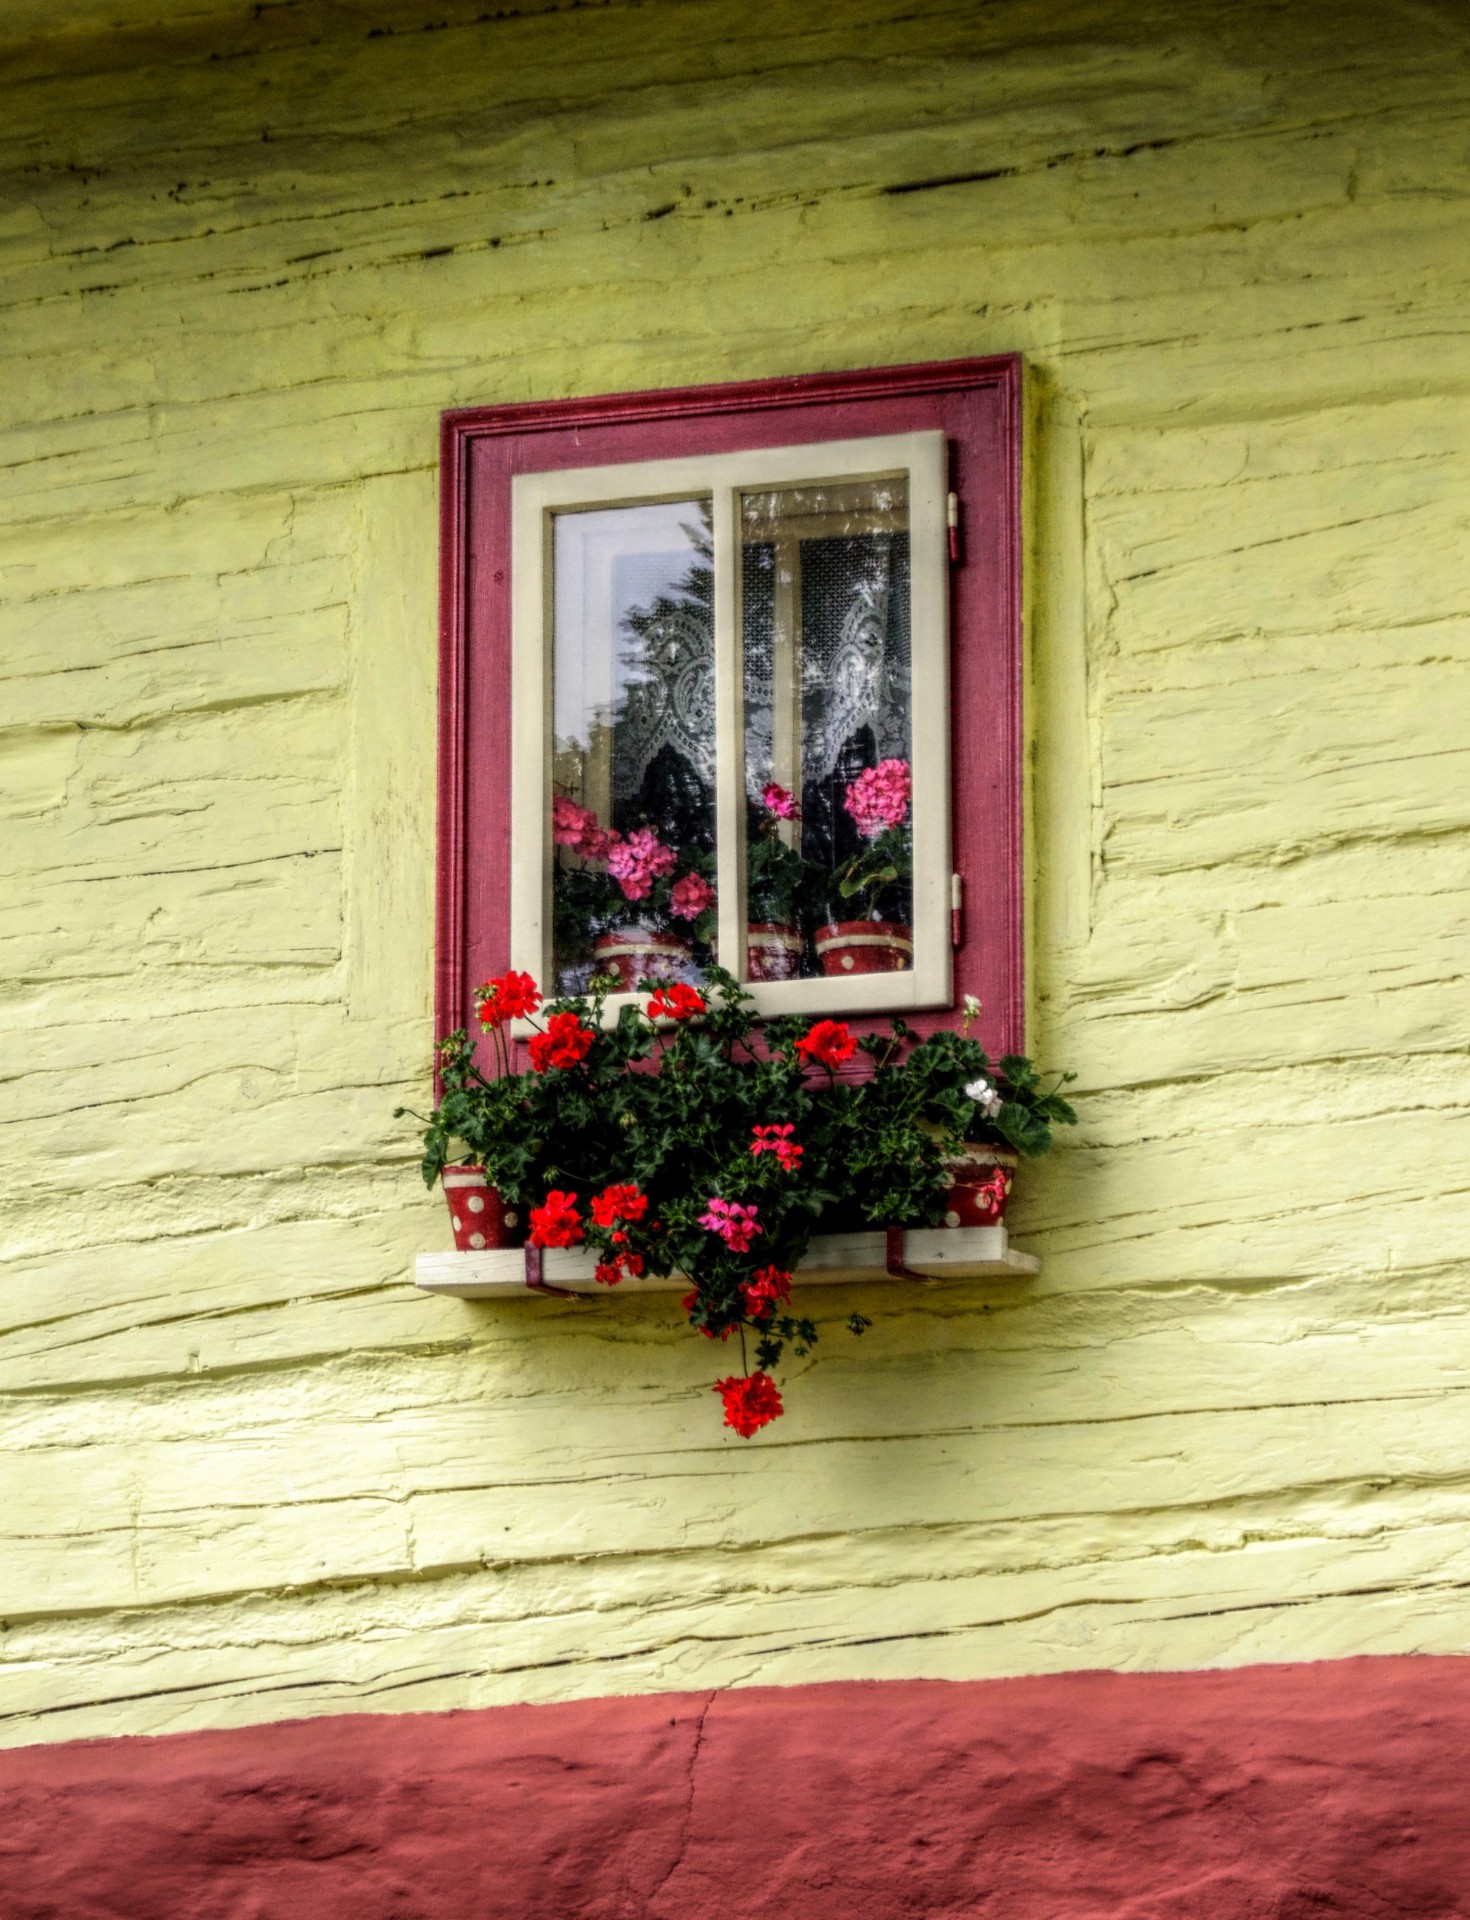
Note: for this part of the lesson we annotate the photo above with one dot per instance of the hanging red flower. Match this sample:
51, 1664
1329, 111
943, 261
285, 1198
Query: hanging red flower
750, 1403
765, 1291
610, 1272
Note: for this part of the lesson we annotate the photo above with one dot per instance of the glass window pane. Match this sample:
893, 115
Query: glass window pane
828, 729
633, 749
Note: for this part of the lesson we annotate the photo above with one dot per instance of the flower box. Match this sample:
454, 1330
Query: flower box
677, 1142
833, 1259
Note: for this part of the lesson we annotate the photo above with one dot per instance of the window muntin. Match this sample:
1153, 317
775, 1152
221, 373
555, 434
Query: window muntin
586, 544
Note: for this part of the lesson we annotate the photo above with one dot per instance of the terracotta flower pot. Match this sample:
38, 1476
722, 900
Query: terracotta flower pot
478, 1215
979, 1183
865, 946
772, 951
638, 953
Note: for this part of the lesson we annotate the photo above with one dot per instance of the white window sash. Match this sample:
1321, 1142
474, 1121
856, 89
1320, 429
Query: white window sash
536, 497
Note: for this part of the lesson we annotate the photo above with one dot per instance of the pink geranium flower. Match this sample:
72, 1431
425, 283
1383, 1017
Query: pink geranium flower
578, 828
689, 897
879, 798
736, 1225
779, 801
640, 860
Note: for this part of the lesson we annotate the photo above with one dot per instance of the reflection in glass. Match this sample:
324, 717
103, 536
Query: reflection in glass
828, 729
633, 724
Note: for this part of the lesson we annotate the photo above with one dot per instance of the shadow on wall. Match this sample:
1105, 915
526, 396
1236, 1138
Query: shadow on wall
1335, 1788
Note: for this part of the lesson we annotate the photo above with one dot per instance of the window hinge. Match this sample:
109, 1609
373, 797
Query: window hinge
956, 911
952, 521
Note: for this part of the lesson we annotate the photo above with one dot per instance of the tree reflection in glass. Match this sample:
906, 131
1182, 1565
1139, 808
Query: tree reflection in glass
633, 724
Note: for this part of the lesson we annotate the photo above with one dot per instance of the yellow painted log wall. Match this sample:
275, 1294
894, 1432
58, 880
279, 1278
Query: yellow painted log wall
247, 258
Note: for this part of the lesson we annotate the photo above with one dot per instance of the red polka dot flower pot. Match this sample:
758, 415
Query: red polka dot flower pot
631, 954
864, 946
978, 1186
478, 1215
773, 951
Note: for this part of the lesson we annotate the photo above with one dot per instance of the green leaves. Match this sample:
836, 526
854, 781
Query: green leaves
877, 865
782, 886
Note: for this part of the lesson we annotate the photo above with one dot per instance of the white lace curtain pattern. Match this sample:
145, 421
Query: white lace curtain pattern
854, 669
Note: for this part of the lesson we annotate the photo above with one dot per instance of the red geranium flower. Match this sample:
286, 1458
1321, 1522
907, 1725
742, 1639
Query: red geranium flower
511, 996
828, 1043
565, 1042
610, 1272
777, 1140
678, 1002
750, 1404
619, 1203
765, 1291
556, 1222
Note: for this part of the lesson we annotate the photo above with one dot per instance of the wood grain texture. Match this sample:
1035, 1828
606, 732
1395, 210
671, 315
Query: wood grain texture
247, 256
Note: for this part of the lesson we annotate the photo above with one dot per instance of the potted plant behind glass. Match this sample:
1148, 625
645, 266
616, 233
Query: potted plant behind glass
601, 874
784, 890
655, 942
878, 803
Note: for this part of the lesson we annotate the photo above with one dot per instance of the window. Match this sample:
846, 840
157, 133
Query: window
719, 681
716, 665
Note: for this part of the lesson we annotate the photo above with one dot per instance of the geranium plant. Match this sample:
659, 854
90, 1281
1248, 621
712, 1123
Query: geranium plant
682, 1140
604, 878
877, 802
783, 888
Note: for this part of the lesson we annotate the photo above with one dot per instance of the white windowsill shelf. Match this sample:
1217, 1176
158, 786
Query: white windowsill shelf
931, 1253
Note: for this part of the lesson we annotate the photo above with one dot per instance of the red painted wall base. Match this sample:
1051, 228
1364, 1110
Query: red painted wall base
1334, 1789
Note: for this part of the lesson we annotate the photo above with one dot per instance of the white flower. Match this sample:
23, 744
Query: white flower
972, 1007
985, 1097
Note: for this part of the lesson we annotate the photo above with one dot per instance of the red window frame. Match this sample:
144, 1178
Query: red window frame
976, 403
